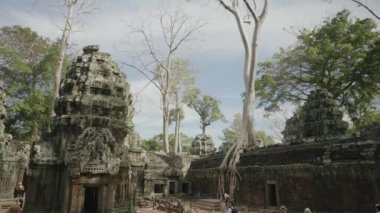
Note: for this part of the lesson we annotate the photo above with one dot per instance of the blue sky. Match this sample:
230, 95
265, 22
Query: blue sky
216, 55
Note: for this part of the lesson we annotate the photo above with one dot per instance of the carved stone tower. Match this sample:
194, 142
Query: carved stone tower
202, 145
94, 114
318, 119
94, 119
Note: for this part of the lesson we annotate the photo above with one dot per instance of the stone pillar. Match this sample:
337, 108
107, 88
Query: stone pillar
176, 187
103, 200
75, 197
110, 198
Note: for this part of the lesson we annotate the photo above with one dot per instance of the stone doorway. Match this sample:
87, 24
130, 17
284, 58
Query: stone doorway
185, 188
171, 188
271, 194
91, 200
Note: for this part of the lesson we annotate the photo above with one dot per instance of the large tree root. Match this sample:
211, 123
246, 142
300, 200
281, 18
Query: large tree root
228, 169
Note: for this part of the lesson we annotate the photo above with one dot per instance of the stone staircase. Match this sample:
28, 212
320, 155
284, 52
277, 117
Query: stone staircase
6, 203
213, 205
210, 204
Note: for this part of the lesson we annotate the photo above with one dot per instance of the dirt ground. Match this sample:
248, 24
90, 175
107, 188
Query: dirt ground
150, 210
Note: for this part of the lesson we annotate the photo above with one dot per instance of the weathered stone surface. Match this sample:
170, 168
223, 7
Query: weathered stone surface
14, 156
2, 108
168, 171
202, 145
92, 151
330, 176
318, 119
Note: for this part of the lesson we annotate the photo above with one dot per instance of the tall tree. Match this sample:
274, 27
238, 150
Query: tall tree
26, 67
77, 7
341, 56
208, 110
183, 89
176, 115
257, 18
156, 60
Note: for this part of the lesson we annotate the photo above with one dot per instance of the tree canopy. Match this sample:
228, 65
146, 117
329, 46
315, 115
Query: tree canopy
207, 108
26, 66
341, 56
232, 134
155, 143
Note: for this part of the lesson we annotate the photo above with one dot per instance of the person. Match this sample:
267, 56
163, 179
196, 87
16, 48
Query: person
223, 207
307, 210
231, 208
283, 209
19, 194
226, 198
377, 207
179, 207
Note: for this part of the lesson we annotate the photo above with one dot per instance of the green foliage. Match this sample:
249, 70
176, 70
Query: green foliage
341, 56
183, 78
266, 140
186, 142
28, 119
151, 145
156, 143
232, 134
368, 120
173, 115
27, 63
207, 108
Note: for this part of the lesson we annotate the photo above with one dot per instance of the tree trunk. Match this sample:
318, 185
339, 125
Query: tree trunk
228, 167
165, 121
203, 126
179, 138
176, 134
61, 58
177, 120
248, 133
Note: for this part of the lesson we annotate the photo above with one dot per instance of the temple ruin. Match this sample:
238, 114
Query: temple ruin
92, 161
319, 166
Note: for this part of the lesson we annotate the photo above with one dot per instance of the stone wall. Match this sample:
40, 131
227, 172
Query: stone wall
333, 176
14, 156
163, 169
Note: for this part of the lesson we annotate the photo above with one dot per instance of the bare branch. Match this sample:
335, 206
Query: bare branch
253, 13
265, 11
187, 35
361, 4
143, 73
138, 94
227, 7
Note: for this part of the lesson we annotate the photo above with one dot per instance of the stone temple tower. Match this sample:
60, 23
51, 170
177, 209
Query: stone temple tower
86, 167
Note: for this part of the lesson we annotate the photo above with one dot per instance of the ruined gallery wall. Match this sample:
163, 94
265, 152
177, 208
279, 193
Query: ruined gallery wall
331, 176
44, 188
